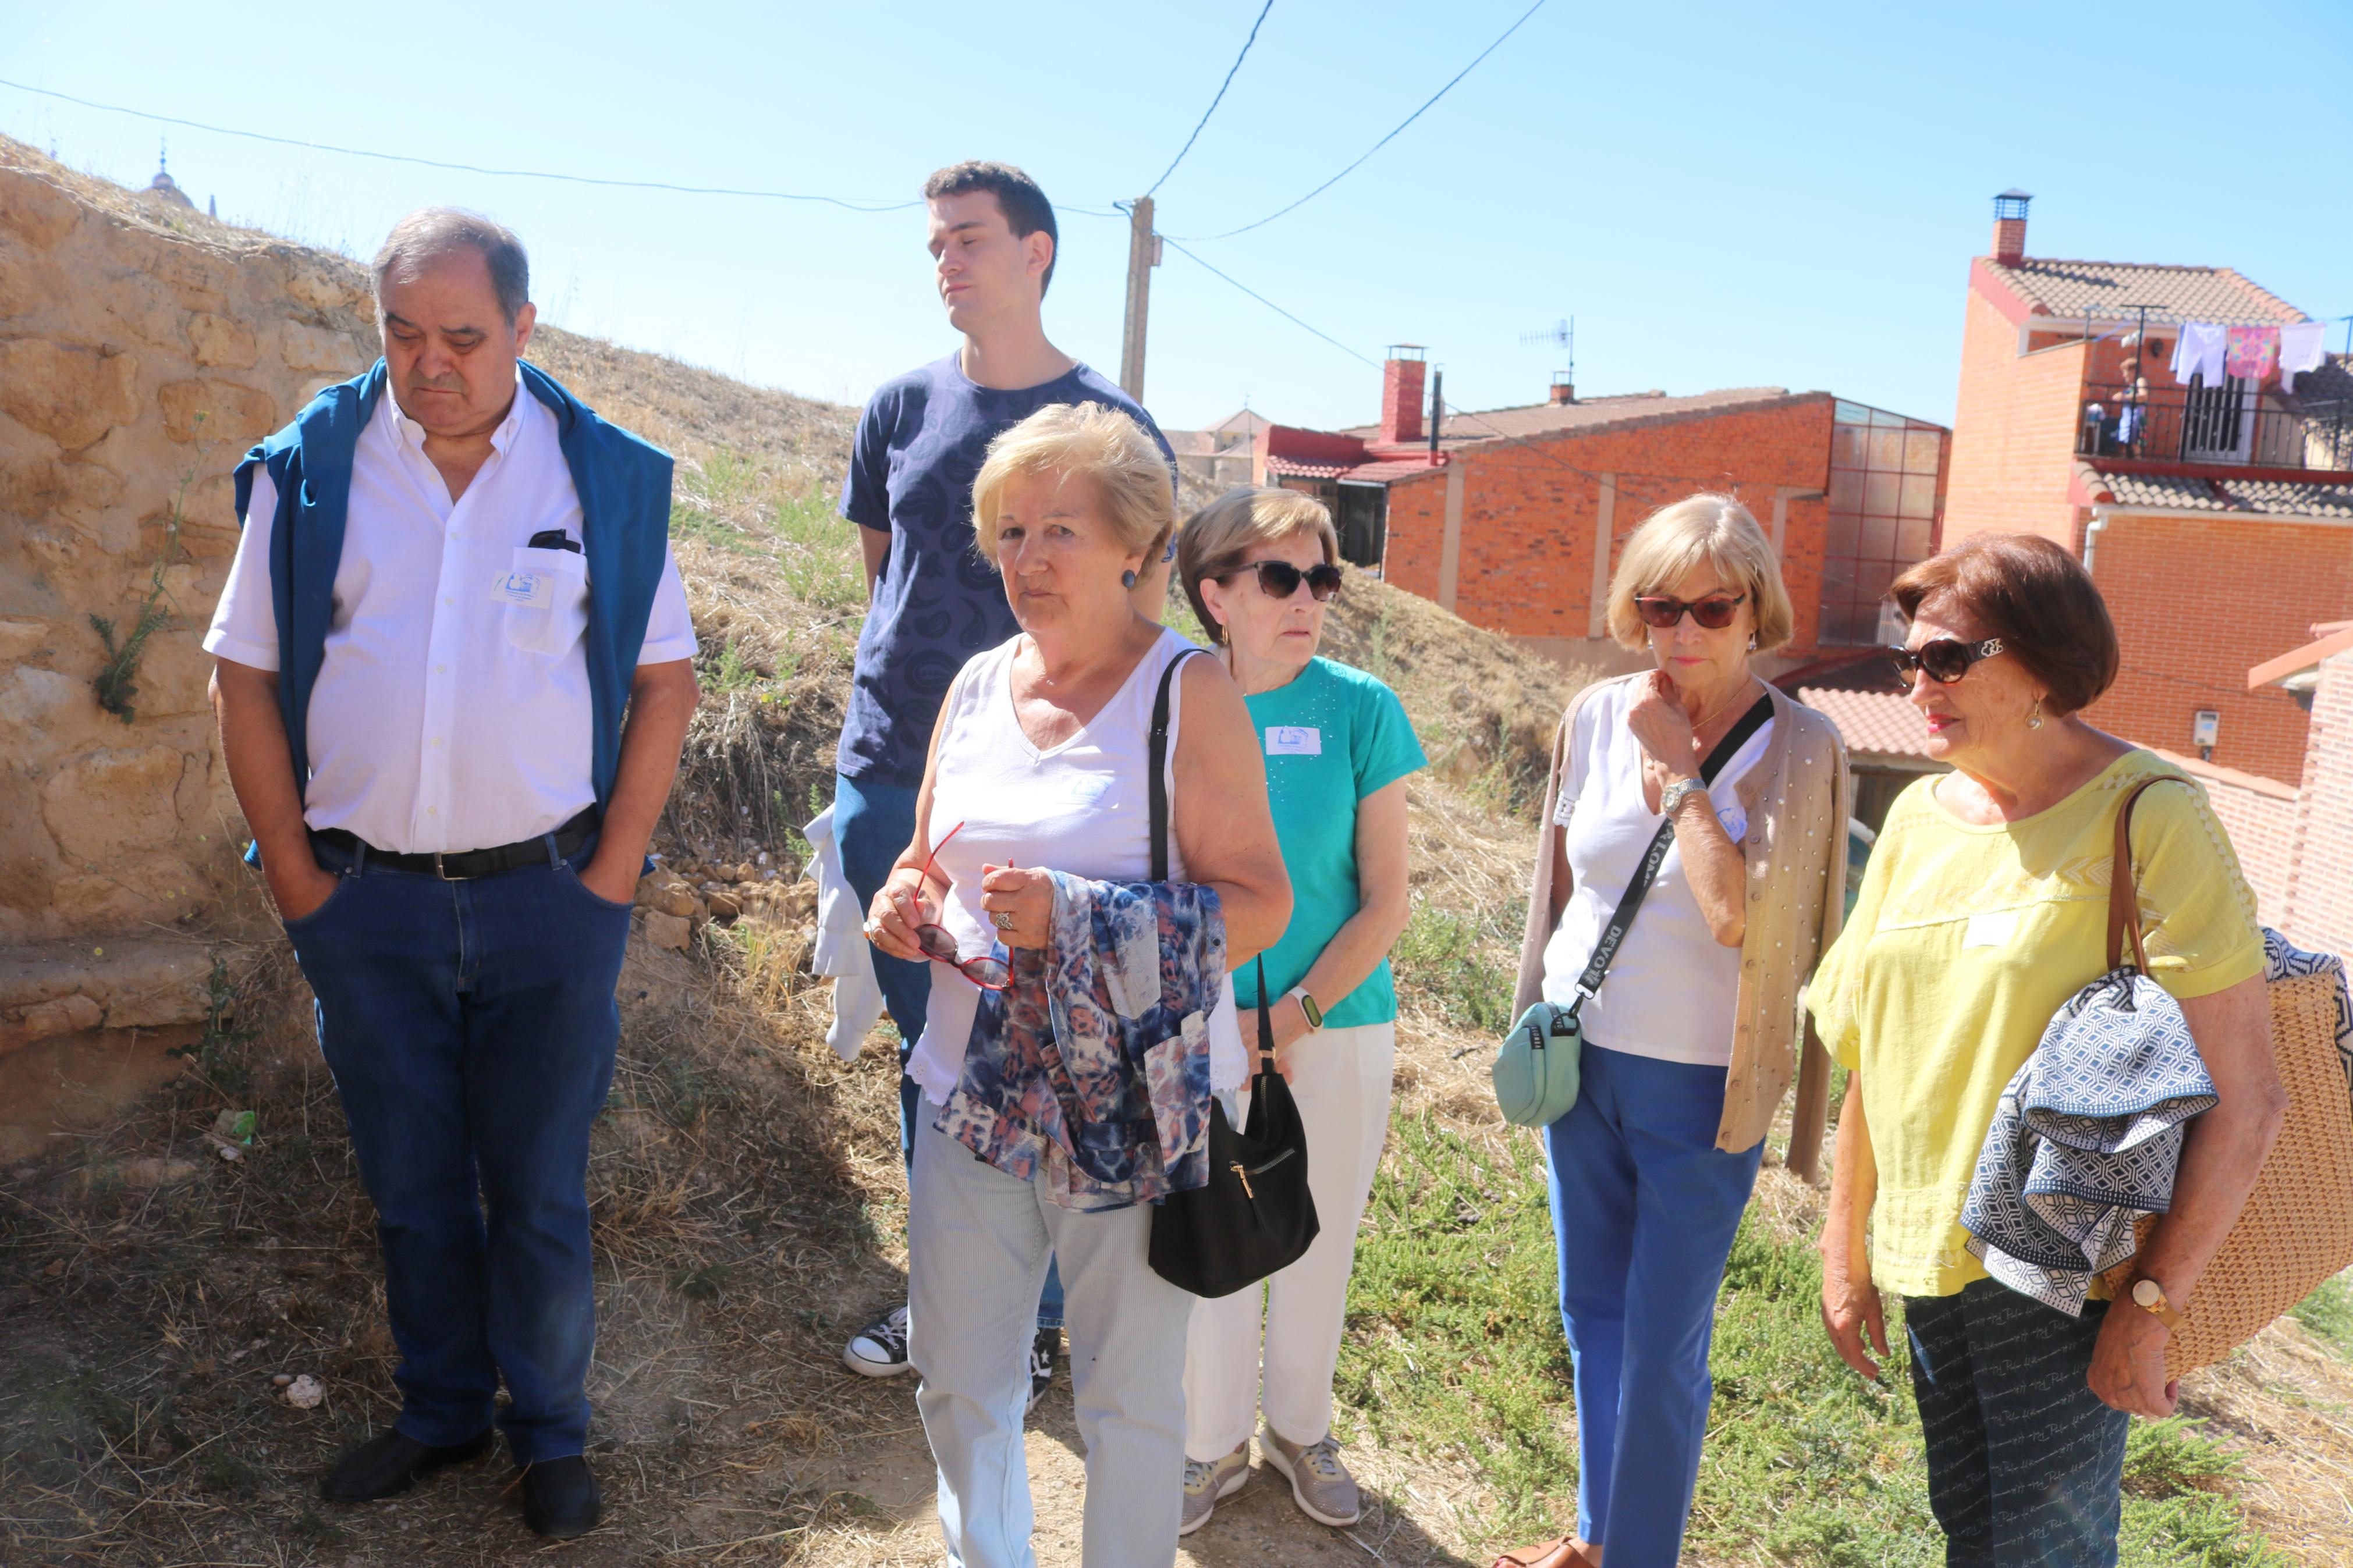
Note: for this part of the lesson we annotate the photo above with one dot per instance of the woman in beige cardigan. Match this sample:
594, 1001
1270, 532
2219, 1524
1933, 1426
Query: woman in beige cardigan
1694, 1038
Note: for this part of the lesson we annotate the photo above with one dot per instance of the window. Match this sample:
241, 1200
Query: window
1885, 497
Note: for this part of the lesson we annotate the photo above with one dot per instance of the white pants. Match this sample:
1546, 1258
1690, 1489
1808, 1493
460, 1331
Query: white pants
979, 1242
1341, 1080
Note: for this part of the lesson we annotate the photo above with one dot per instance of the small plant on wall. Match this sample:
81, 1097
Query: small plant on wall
117, 680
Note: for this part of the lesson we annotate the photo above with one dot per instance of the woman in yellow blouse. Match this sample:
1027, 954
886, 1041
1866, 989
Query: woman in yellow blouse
1985, 908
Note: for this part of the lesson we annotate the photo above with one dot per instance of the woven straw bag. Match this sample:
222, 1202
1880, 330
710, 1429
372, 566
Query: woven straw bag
2296, 1229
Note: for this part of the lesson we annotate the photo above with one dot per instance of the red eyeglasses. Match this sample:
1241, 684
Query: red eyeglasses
939, 943
1715, 612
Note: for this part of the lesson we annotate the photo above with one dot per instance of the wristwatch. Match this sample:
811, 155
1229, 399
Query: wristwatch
1307, 1006
1675, 793
2150, 1297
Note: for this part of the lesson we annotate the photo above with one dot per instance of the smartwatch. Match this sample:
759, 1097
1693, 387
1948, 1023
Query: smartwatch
1314, 1015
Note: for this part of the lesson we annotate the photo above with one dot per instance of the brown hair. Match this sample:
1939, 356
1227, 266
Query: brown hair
1024, 207
1217, 537
2035, 597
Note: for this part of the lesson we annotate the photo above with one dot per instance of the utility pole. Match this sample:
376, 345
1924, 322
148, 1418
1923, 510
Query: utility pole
1143, 256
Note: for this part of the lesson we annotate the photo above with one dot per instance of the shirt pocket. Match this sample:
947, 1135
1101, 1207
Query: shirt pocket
545, 594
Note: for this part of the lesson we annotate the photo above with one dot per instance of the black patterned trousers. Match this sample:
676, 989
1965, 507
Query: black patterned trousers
2025, 1463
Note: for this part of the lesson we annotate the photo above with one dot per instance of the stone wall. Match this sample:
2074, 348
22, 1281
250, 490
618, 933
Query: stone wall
142, 350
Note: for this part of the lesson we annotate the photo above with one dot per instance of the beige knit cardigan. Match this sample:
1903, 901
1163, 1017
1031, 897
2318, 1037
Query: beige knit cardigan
1798, 798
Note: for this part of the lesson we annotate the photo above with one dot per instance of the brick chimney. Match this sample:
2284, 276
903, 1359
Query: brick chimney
2009, 227
1564, 390
1401, 385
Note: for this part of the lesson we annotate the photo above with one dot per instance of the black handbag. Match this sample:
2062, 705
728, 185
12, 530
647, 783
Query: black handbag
1255, 1216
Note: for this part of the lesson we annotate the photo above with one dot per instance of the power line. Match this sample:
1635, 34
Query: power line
1215, 101
1271, 305
464, 168
1384, 142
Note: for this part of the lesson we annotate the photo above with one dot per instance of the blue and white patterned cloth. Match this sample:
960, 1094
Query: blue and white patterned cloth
2086, 1140
2088, 1135
1090, 1071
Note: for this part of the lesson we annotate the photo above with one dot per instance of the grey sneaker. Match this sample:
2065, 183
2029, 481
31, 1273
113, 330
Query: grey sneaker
1320, 1484
1206, 1480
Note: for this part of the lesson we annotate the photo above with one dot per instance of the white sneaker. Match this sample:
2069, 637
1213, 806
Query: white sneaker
1206, 1480
879, 1349
1320, 1484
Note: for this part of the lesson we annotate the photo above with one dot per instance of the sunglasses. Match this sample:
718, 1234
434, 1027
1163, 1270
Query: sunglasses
1945, 659
1281, 578
939, 943
1715, 612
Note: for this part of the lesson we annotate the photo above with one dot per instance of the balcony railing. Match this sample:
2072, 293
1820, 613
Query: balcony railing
2228, 423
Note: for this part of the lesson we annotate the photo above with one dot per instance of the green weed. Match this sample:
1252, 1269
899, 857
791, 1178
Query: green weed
2328, 1315
1447, 958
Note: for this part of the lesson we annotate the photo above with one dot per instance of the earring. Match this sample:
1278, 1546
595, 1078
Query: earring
1127, 580
2034, 719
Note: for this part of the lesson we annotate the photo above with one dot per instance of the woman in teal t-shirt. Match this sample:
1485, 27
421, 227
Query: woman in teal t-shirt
1259, 566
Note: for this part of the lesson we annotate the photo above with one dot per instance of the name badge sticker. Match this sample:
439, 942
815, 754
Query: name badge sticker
534, 589
1293, 741
1992, 929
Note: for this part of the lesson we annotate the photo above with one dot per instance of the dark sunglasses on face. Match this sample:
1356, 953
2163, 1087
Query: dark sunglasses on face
1715, 612
1944, 659
1281, 578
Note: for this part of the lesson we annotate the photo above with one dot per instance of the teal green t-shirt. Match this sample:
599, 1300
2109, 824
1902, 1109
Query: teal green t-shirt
1331, 737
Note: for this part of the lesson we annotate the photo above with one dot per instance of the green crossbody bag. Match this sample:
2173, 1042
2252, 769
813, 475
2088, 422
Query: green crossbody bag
1537, 1072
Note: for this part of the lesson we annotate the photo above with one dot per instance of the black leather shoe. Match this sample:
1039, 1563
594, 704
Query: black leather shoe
390, 1463
559, 1498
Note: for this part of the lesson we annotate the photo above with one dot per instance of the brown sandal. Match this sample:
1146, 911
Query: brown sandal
1559, 1552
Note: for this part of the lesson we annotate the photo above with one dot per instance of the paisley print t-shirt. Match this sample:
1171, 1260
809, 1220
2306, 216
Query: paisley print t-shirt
1965, 939
920, 445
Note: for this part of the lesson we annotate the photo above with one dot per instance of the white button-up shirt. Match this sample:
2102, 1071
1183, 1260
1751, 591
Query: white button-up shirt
451, 712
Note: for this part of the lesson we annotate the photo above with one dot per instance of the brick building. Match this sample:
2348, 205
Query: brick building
2296, 842
1511, 516
2218, 520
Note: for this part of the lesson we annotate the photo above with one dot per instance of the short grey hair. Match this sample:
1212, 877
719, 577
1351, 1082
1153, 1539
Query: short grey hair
430, 233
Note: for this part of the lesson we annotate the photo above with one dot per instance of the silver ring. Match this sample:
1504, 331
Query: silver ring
1002, 918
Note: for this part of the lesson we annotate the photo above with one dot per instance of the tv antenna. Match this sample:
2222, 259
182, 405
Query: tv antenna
1561, 334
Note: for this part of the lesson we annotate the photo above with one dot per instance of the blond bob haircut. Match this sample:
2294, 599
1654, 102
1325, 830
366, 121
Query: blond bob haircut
1134, 492
1217, 537
1714, 529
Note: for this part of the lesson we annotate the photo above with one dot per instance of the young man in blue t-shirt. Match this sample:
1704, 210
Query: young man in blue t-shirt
933, 602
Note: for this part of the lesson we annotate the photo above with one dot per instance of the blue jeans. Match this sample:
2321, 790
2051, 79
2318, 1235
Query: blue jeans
1644, 1208
874, 823
470, 1028
2025, 1462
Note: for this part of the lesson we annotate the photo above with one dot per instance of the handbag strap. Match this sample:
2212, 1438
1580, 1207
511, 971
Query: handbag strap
1157, 792
1613, 935
2123, 897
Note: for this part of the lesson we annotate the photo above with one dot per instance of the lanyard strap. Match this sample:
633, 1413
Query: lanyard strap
1613, 935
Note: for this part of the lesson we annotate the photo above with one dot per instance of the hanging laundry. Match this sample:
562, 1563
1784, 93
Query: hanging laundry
2253, 352
2300, 350
2198, 354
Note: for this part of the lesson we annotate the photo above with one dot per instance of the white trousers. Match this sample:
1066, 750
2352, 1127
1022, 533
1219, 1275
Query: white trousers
979, 1242
1341, 1080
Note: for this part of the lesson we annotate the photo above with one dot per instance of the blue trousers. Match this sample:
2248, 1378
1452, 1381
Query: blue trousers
874, 823
1645, 1207
470, 1028
2025, 1462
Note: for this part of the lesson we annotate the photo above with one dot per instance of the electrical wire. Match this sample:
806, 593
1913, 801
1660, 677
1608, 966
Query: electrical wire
465, 168
1384, 142
1215, 101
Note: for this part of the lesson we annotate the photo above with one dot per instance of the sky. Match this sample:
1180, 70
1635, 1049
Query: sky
1719, 194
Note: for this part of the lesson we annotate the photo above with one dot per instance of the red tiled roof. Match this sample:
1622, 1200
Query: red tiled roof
1467, 427
1301, 469
2107, 290
1879, 723
1381, 472
2220, 493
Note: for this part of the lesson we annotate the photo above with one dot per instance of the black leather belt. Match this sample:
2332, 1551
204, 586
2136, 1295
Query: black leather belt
460, 865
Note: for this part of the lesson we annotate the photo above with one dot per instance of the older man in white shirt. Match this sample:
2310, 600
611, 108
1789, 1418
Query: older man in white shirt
453, 680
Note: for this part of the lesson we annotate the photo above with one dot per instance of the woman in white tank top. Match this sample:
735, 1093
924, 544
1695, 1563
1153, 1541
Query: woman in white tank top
1039, 764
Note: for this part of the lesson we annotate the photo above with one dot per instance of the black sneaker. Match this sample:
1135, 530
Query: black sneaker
880, 1349
1042, 1351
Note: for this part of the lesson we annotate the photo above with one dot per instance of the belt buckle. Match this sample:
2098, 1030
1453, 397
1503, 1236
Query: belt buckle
439, 872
